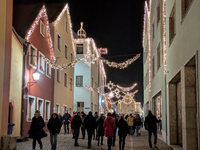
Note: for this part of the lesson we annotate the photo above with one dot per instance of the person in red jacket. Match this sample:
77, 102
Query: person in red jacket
109, 126
72, 131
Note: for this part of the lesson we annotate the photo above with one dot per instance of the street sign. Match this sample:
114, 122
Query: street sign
26, 90
87, 107
25, 96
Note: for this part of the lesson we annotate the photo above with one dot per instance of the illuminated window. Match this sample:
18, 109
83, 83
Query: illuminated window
79, 81
79, 48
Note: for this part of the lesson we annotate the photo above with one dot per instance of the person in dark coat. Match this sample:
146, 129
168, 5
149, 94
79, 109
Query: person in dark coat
90, 125
150, 125
100, 129
122, 133
61, 118
83, 116
109, 126
66, 119
137, 125
36, 131
116, 121
54, 126
76, 124
96, 116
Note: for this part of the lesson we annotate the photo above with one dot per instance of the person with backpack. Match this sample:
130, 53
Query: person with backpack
90, 125
36, 131
122, 133
100, 129
150, 125
54, 126
109, 126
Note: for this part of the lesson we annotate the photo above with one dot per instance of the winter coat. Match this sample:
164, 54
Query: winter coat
150, 122
116, 121
130, 121
66, 117
61, 118
36, 128
96, 116
123, 127
83, 119
137, 121
109, 126
90, 122
72, 131
76, 122
100, 128
54, 125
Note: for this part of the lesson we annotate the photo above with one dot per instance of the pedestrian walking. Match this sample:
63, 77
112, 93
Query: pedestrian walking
83, 116
66, 119
61, 118
130, 122
36, 131
76, 124
122, 133
137, 124
72, 131
54, 126
100, 129
126, 117
115, 130
90, 125
96, 116
150, 125
109, 126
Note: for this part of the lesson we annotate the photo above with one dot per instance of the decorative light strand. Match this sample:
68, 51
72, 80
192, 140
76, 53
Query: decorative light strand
164, 36
42, 13
121, 65
127, 89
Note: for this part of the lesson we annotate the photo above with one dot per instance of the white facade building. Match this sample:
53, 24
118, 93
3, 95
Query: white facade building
92, 75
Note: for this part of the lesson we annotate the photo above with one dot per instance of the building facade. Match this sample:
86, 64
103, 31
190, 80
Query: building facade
172, 92
87, 73
62, 38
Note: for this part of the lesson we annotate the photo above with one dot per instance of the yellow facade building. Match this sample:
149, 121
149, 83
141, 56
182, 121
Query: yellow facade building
62, 37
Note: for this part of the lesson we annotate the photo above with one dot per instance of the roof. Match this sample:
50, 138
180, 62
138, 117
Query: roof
24, 14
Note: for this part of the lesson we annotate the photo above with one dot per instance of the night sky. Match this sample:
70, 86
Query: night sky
118, 26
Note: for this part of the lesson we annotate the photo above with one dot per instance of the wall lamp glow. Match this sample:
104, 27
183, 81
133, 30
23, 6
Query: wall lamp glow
36, 78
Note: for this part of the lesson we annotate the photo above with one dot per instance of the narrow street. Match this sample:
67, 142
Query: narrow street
65, 142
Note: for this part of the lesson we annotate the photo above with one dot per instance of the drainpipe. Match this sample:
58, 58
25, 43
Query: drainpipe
25, 50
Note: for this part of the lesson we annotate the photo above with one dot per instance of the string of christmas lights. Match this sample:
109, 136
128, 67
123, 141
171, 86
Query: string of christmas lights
164, 36
127, 89
123, 64
42, 13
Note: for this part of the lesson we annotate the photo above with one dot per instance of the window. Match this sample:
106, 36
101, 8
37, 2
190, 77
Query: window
72, 58
70, 84
131, 110
65, 80
127, 105
79, 81
66, 51
80, 106
41, 63
185, 6
158, 57
79, 48
66, 25
172, 25
92, 83
40, 106
42, 28
47, 110
58, 75
153, 67
57, 108
124, 106
33, 56
48, 70
59, 43
131, 105
64, 109
153, 31
31, 108
146, 52
158, 12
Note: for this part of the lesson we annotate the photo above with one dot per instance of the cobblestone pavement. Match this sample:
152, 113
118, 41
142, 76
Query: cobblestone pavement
65, 142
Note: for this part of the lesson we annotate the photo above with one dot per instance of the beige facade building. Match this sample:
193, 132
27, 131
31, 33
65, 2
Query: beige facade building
171, 73
62, 38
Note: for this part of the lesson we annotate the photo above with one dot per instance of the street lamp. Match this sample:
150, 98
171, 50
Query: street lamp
111, 94
36, 78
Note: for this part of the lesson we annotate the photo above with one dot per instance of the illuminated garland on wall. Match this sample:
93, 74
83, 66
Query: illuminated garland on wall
164, 36
121, 65
42, 13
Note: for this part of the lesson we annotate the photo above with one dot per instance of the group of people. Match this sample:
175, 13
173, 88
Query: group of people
99, 125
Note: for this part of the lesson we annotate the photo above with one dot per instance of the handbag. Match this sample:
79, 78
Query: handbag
111, 125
